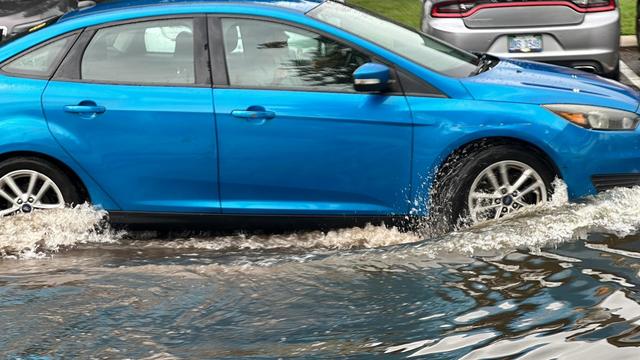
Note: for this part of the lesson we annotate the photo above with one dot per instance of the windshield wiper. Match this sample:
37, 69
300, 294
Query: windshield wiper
23, 30
485, 63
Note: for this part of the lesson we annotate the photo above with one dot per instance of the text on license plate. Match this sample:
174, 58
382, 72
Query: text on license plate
525, 43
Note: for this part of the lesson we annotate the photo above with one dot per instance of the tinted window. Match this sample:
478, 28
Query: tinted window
39, 62
271, 55
154, 52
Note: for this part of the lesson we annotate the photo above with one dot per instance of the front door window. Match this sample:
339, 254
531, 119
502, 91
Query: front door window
263, 54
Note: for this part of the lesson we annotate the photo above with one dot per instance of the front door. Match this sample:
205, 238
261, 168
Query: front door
135, 110
295, 138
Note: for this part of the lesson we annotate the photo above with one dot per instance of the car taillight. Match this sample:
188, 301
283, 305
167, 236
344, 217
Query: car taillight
464, 8
595, 5
452, 8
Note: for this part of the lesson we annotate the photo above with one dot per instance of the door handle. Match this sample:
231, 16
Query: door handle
85, 108
245, 114
254, 113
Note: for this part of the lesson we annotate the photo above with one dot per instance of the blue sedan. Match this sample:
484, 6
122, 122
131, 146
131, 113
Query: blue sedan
293, 111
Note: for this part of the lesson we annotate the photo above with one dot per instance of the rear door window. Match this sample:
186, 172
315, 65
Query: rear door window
40, 62
151, 52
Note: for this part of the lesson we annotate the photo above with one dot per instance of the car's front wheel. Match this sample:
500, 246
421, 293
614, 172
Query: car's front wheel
487, 183
504, 187
28, 184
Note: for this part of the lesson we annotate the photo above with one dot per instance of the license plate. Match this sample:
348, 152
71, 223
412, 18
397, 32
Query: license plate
525, 43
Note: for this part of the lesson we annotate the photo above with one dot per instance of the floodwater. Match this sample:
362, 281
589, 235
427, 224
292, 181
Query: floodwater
560, 281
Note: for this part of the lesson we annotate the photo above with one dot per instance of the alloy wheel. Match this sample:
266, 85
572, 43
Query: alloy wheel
27, 190
505, 187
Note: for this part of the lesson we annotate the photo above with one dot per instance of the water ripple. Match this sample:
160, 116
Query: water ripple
559, 281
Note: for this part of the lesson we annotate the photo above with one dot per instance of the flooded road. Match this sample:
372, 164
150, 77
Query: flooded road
560, 281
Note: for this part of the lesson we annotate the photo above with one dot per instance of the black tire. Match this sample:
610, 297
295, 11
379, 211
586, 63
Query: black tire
450, 193
614, 74
70, 191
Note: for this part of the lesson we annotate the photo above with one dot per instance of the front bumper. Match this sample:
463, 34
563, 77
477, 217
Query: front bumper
608, 182
595, 41
596, 161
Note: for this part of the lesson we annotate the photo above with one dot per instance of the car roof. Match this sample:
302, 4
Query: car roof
115, 5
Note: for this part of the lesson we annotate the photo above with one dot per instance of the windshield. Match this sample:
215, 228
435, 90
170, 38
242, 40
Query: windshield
419, 48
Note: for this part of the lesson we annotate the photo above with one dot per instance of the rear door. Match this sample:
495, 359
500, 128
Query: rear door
132, 103
295, 138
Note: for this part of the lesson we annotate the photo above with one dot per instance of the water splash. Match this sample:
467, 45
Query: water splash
615, 212
580, 298
368, 237
42, 233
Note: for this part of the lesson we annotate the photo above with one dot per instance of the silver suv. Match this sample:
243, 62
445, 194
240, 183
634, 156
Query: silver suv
584, 34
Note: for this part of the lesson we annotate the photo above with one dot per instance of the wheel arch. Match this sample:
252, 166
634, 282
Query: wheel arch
445, 208
490, 141
77, 181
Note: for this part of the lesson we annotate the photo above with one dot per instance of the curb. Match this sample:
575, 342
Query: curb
628, 41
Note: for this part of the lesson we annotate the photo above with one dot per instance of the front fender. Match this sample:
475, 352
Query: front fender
443, 126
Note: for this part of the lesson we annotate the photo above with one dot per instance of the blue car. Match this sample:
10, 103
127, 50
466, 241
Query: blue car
293, 112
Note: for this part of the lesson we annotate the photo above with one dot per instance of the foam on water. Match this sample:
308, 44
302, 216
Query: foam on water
368, 237
614, 212
39, 234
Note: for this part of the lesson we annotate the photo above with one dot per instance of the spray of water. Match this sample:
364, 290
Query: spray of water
368, 237
614, 212
40, 234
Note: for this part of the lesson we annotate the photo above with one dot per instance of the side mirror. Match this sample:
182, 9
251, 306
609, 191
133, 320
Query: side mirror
82, 4
372, 77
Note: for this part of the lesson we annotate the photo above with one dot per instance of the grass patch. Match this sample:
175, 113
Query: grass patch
410, 11
628, 12
405, 11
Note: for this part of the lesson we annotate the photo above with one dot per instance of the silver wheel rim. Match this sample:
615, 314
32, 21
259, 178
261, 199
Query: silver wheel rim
503, 188
28, 190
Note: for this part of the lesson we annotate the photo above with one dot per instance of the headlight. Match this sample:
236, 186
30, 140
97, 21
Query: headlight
597, 118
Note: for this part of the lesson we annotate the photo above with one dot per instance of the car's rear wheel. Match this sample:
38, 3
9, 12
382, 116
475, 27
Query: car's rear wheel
28, 184
487, 183
614, 74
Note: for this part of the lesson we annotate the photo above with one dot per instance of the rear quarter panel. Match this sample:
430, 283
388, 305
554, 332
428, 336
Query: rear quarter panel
23, 129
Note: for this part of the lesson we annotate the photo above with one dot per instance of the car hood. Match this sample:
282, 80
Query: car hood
537, 83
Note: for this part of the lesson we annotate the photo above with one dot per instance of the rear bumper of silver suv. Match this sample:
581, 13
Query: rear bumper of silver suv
592, 45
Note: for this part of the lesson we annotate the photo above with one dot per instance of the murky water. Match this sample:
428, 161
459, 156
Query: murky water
559, 282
